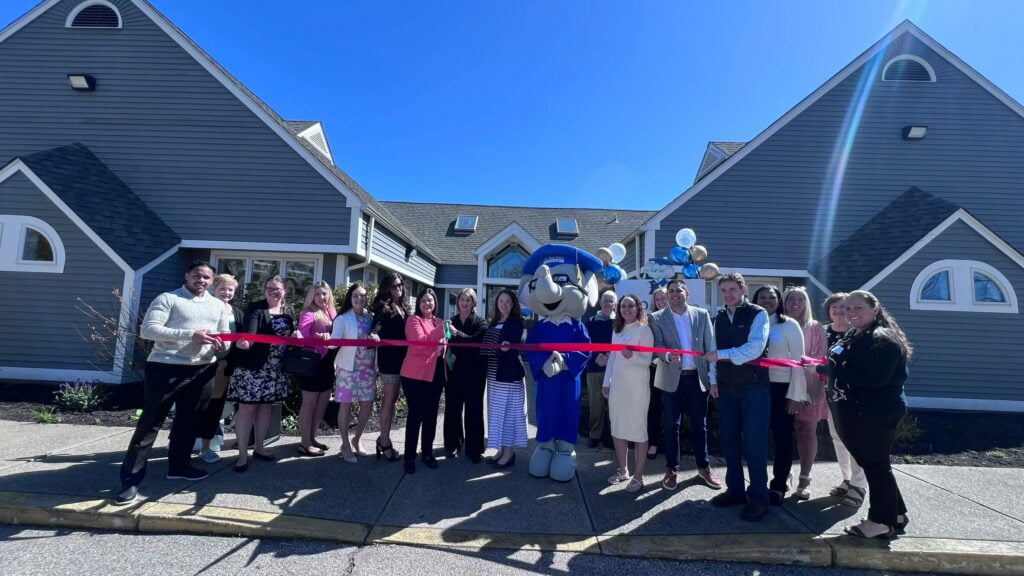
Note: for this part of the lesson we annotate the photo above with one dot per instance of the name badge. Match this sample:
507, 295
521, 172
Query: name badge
499, 326
837, 349
625, 338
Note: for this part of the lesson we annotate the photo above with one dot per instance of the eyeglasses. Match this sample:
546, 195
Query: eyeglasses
561, 280
393, 286
274, 290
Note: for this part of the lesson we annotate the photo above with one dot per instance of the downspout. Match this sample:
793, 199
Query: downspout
369, 246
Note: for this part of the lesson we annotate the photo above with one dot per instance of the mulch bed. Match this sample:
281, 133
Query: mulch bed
942, 438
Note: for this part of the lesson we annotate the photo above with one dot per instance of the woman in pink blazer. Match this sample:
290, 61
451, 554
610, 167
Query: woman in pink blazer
423, 376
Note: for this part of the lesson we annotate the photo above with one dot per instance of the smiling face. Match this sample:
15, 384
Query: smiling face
837, 314
359, 299
274, 293
677, 295
731, 293
628, 309
321, 297
225, 291
198, 279
396, 291
607, 304
558, 292
860, 314
660, 300
427, 305
504, 305
466, 304
795, 305
767, 299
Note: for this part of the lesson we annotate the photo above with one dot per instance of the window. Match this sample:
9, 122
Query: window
28, 244
567, 227
908, 68
94, 14
507, 264
466, 223
300, 271
962, 286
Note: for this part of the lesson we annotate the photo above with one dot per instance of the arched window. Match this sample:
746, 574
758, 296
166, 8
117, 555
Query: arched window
962, 286
507, 264
908, 68
94, 14
28, 244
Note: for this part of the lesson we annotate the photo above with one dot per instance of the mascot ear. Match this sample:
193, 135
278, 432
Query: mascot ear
592, 289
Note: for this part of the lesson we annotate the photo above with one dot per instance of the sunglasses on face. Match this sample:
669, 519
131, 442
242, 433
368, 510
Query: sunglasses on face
560, 279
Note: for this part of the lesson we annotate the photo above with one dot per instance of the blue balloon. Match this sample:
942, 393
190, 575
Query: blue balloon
691, 270
679, 255
613, 274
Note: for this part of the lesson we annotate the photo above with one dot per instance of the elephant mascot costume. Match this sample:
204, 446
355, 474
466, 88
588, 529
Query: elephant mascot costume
559, 283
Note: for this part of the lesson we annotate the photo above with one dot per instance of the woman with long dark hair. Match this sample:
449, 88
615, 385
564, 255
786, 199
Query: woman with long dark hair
389, 316
867, 369
355, 369
423, 375
506, 393
788, 387
464, 390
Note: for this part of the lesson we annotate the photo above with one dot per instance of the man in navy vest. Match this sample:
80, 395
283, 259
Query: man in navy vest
741, 334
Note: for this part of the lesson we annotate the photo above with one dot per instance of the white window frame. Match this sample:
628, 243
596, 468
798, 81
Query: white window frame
918, 59
74, 13
13, 233
318, 270
961, 288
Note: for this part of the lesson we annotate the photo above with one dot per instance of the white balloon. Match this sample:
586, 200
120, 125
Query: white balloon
686, 238
618, 252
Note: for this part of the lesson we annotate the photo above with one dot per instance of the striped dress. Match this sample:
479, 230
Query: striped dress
506, 401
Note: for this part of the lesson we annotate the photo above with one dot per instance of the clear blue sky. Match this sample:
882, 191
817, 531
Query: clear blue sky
566, 103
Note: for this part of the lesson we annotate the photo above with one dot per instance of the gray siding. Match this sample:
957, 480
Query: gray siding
330, 266
180, 140
43, 323
629, 262
460, 274
389, 251
958, 354
972, 156
364, 229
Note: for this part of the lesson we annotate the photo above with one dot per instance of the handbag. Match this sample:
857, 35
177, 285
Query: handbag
302, 361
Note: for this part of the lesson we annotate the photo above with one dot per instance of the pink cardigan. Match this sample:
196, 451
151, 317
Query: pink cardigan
420, 360
309, 329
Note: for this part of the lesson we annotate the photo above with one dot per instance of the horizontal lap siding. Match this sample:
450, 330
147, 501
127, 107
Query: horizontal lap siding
388, 249
41, 318
958, 354
973, 156
629, 262
458, 274
180, 140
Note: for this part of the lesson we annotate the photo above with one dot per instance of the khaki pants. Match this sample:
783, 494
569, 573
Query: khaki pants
596, 402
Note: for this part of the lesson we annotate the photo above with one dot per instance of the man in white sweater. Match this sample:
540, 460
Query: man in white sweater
179, 370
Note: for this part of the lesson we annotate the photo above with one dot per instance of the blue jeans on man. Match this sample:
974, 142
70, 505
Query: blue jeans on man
689, 397
743, 415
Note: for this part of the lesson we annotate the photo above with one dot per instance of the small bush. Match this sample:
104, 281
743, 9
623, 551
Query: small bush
80, 396
908, 431
47, 416
289, 423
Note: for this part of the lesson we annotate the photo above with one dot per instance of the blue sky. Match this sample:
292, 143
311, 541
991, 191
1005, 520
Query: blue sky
571, 103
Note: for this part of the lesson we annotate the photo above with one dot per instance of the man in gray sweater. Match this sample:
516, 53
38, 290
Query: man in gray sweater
179, 371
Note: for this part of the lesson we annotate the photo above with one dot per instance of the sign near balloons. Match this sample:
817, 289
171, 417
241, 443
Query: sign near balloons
687, 254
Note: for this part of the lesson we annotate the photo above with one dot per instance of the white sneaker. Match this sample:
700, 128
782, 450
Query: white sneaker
210, 457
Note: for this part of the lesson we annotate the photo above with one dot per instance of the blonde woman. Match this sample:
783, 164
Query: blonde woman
315, 321
805, 421
626, 387
224, 287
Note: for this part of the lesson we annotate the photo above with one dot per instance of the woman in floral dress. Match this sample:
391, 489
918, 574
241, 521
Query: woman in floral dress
355, 368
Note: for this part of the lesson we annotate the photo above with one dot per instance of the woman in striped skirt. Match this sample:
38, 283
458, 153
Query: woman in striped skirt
506, 391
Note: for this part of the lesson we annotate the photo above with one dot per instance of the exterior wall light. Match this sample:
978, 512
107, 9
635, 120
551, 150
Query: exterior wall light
83, 82
915, 132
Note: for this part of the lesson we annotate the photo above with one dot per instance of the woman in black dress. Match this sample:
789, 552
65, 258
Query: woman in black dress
389, 316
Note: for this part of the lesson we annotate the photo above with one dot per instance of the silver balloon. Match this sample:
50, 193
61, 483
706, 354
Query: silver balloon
686, 238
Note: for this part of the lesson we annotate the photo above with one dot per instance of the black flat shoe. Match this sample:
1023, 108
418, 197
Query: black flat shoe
856, 531
268, 457
410, 466
320, 445
497, 465
241, 468
431, 462
308, 452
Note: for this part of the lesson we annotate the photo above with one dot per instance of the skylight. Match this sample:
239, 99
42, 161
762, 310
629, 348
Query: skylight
466, 223
567, 227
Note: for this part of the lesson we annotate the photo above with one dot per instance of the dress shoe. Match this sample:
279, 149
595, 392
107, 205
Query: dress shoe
727, 499
127, 495
497, 465
410, 466
431, 462
753, 511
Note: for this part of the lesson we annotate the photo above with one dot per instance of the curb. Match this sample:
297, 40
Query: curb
981, 557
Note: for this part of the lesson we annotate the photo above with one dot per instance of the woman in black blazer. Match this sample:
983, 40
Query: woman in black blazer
259, 379
464, 390
506, 391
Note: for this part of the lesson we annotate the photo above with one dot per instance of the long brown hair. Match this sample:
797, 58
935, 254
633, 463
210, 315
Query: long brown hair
885, 320
516, 312
641, 315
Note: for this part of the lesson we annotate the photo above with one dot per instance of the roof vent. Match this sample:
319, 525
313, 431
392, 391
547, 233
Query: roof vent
908, 68
567, 227
94, 14
466, 223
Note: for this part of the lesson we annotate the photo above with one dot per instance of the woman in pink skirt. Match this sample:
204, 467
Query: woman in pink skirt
805, 422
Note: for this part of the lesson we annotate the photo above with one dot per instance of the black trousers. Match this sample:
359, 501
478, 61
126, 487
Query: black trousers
464, 411
781, 425
186, 387
867, 433
654, 415
423, 399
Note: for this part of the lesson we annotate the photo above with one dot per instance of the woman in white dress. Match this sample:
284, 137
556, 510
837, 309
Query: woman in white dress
626, 388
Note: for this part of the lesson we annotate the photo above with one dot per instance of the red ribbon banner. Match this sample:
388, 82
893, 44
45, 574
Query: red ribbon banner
538, 347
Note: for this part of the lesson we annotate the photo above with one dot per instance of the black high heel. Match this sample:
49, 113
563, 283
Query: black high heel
497, 465
389, 453
430, 461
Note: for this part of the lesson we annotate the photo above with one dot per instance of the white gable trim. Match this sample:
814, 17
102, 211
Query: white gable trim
513, 230
18, 166
914, 58
317, 128
655, 221
960, 215
87, 3
961, 288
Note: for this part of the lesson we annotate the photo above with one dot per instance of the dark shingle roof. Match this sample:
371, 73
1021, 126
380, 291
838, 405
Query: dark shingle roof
729, 148
882, 239
104, 203
435, 223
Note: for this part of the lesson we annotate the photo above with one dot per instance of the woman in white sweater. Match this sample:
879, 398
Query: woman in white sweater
626, 388
788, 387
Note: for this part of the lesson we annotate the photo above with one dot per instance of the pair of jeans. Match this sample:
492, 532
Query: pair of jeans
464, 404
423, 399
689, 397
867, 431
743, 415
188, 389
782, 435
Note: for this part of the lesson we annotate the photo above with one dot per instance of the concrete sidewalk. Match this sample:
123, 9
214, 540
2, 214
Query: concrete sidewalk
963, 520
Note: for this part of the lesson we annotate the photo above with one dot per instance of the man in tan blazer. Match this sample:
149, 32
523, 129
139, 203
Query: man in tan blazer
685, 380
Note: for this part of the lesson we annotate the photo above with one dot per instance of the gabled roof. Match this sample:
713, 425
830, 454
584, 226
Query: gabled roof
882, 239
729, 148
716, 153
299, 126
906, 27
103, 202
435, 224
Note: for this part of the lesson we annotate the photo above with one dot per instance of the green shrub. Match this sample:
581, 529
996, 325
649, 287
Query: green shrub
80, 396
47, 416
908, 431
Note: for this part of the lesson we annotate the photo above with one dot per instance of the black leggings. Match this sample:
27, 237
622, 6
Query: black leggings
423, 399
782, 434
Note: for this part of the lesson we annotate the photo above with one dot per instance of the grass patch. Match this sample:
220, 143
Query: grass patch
47, 416
997, 454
